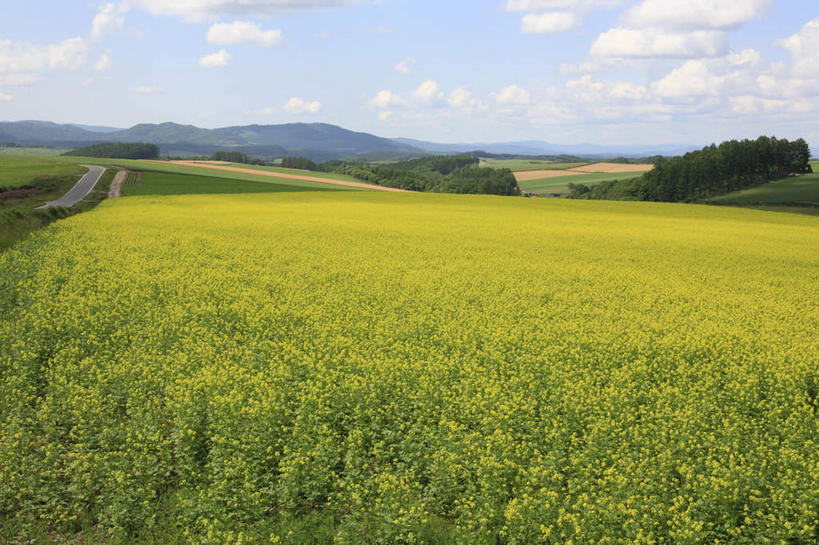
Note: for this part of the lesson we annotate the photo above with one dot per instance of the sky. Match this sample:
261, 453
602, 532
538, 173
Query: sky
635, 72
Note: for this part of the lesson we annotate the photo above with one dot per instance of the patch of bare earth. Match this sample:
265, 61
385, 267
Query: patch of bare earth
115, 191
612, 168
527, 175
238, 170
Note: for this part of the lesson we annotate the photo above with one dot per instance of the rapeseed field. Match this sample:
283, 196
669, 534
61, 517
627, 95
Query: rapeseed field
412, 369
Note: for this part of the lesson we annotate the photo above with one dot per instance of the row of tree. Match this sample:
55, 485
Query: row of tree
133, 150
234, 157
713, 170
454, 174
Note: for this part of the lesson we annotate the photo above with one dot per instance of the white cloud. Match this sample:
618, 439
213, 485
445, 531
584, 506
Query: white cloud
428, 91
103, 63
804, 48
734, 73
383, 116
5, 98
546, 23
19, 80
512, 95
209, 9
243, 32
146, 89
220, 58
622, 42
110, 17
588, 89
386, 99
543, 5
18, 57
462, 99
695, 14
269, 110
404, 66
298, 106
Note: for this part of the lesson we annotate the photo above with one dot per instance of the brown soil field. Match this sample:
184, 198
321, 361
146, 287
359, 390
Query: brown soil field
360, 185
613, 168
527, 175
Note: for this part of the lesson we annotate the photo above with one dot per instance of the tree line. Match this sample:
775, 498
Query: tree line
234, 157
133, 150
447, 174
711, 171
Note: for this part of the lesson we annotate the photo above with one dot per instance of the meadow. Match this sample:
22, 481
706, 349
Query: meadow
353, 367
800, 189
523, 165
560, 184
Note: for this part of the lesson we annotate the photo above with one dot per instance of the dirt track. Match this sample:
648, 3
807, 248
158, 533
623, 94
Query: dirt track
239, 170
115, 191
541, 174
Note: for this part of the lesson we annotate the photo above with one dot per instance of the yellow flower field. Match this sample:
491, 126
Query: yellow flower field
413, 368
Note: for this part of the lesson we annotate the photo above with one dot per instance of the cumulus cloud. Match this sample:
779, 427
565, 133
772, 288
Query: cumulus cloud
209, 9
542, 5
428, 91
145, 89
24, 57
589, 89
383, 116
462, 99
386, 99
731, 74
404, 66
220, 58
109, 18
512, 95
804, 48
103, 63
546, 23
243, 32
5, 98
695, 14
623, 42
299, 106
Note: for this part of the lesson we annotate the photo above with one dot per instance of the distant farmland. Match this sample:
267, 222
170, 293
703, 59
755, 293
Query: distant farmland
556, 181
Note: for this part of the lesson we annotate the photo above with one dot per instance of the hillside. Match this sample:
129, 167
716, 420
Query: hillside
318, 141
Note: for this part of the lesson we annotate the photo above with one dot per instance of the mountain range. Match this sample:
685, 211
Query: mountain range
317, 141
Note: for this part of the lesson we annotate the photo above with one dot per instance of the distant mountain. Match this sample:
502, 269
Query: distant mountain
96, 128
317, 141
538, 147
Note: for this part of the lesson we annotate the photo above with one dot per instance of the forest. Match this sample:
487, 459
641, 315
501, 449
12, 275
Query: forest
711, 171
126, 150
449, 174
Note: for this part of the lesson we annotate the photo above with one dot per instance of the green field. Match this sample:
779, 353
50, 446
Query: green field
32, 151
361, 367
560, 184
521, 165
801, 189
326, 175
168, 183
18, 170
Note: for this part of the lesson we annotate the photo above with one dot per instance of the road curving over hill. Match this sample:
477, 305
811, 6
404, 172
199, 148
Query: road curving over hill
80, 189
239, 170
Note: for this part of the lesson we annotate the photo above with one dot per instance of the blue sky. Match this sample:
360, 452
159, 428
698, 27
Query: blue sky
565, 71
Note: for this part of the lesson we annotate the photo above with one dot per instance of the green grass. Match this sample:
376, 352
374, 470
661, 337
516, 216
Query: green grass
560, 184
522, 165
296, 172
48, 152
168, 183
802, 189
19, 170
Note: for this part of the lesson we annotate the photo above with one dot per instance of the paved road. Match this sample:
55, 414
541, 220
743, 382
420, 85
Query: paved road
80, 189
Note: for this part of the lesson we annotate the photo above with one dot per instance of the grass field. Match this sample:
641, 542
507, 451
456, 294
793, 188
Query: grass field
788, 190
32, 151
168, 183
353, 367
327, 175
18, 170
560, 184
521, 165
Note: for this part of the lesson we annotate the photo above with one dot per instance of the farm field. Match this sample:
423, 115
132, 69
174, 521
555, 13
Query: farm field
32, 151
560, 184
169, 183
804, 189
521, 165
328, 175
347, 367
